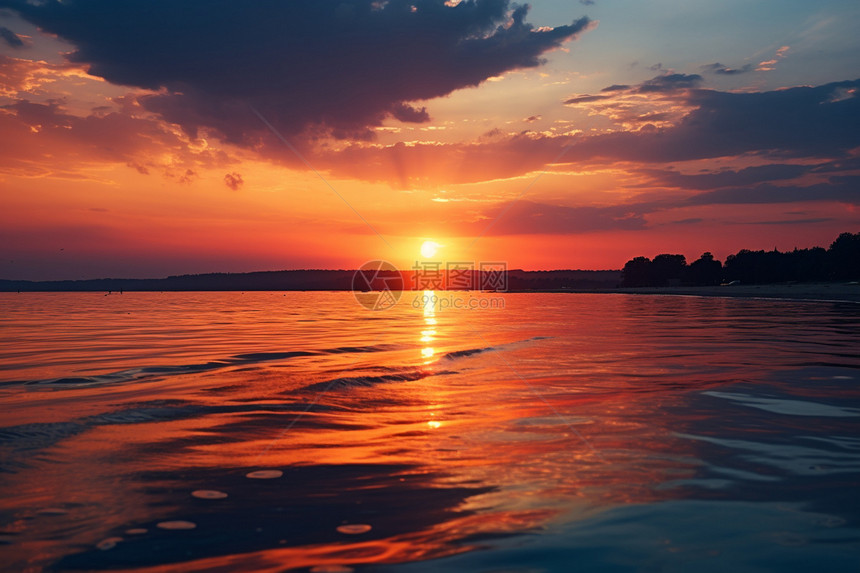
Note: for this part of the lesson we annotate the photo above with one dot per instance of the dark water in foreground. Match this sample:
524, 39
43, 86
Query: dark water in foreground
560, 433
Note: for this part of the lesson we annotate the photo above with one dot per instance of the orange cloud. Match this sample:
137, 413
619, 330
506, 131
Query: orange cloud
37, 78
770, 65
43, 139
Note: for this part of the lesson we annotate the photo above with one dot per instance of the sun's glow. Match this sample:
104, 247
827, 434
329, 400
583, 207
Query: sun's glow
429, 249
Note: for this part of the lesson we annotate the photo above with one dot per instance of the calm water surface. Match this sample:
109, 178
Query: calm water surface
560, 433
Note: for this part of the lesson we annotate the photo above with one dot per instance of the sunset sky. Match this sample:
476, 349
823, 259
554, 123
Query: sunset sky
144, 138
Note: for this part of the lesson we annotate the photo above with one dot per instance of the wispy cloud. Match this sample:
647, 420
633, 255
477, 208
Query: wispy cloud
234, 181
10, 37
770, 65
720, 69
658, 102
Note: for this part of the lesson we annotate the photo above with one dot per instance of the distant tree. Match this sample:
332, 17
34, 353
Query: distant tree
844, 257
668, 269
808, 264
636, 272
756, 267
706, 271
739, 267
840, 262
774, 268
800, 265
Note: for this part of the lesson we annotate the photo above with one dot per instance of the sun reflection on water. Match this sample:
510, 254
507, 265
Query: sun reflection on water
428, 335
374, 455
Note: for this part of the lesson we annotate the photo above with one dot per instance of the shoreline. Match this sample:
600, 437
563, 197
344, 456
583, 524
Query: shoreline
841, 292
821, 292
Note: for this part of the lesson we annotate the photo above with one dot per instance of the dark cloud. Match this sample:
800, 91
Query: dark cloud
729, 178
791, 221
587, 98
670, 82
303, 64
664, 83
615, 88
688, 221
850, 163
776, 126
718, 68
188, 177
794, 122
409, 114
234, 181
142, 169
845, 189
10, 37
529, 218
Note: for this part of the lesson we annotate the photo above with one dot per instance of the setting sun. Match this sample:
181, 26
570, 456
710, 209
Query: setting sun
429, 249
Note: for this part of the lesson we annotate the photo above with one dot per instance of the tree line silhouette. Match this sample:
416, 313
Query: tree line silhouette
838, 263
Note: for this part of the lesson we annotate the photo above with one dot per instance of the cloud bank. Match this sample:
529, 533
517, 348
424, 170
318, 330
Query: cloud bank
322, 65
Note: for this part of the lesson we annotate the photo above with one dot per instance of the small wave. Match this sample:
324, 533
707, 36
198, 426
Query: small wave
787, 407
468, 352
128, 375
27, 437
268, 356
238, 360
472, 351
360, 349
786, 458
367, 381
37, 436
18, 443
